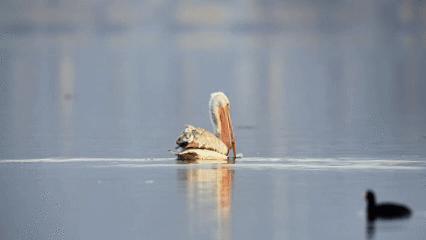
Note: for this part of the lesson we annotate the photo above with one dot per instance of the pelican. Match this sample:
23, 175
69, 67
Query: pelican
198, 144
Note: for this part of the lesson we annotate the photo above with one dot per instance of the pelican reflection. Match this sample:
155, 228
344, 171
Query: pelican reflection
209, 199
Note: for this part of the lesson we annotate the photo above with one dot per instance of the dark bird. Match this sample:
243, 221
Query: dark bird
384, 210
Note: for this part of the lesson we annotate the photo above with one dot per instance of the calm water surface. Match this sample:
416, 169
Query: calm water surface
327, 100
159, 198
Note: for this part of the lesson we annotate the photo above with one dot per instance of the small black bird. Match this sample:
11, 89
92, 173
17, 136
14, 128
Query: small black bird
384, 210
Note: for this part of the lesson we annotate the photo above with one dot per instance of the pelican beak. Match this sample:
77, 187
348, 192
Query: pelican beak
232, 136
231, 142
226, 131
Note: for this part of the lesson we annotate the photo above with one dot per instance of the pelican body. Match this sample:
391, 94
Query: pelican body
198, 144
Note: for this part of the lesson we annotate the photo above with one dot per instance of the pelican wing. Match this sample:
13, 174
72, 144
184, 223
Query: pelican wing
199, 138
194, 155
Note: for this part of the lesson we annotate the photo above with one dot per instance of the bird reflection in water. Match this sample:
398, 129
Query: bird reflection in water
370, 229
209, 199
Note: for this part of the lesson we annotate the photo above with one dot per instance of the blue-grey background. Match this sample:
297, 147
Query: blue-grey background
316, 78
94, 93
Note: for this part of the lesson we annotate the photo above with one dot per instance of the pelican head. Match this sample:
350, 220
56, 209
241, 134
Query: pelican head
220, 116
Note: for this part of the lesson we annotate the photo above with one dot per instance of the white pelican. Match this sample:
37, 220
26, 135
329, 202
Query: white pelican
198, 144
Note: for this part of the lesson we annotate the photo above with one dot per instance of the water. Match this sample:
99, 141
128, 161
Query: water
256, 198
326, 104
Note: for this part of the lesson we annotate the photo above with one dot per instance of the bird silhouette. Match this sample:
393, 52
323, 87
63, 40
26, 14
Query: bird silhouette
386, 210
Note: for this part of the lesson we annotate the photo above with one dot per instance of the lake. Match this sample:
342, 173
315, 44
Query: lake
327, 101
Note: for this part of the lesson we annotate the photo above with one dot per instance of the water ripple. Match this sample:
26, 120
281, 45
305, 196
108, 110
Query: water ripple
256, 163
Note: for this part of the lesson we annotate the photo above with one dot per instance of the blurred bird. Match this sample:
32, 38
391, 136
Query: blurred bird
198, 144
384, 210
